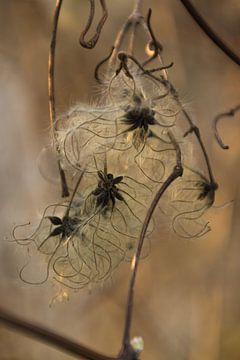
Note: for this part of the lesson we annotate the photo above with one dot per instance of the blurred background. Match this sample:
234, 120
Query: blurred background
187, 298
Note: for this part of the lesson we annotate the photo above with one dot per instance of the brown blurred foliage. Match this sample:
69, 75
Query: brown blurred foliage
187, 303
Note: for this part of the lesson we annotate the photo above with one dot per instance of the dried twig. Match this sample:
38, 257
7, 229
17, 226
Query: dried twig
51, 93
90, 44
229, 113
177, 172
154, 44
123, 57
47, 336
210, 32
133, 21
194, 129
98, 66
37, 332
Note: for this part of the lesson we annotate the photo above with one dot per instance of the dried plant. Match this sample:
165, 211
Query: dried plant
116, 161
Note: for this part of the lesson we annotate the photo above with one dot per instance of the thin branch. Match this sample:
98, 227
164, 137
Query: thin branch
161, 68
134, 19
74, 192
63, 180
154, 45
42, 334
51, 93
177, 172
123, 57
210, 32
90, 44
137, 10
193, 128
138, 5
51, 66
229, 113
99, 65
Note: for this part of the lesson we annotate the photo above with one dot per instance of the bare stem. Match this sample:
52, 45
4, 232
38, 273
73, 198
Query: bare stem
193, 128
134, 19
210, 32
47, 336
51, 66
176, 172
229, 113
51, 93
157, 47
93, 41
74, 192
138, 5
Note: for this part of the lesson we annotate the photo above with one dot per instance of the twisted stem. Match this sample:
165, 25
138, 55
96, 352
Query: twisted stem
229, 113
